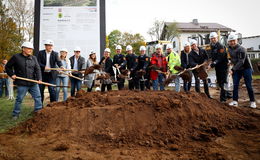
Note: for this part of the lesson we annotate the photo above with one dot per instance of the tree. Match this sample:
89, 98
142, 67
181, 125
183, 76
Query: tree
114, 38
171, 31
10, 38
22, 13
118, 38
163, 31
156, 30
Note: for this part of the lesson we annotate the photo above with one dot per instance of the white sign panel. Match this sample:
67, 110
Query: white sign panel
70, 24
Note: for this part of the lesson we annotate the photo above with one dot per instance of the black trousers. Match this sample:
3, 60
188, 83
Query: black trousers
90, 89
120, 83
48, 78
197, 84
221, 75
134, 82
104, 86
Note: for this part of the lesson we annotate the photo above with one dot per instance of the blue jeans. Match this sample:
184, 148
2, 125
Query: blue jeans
75, 84
177, 84
21, 92
186, 86
247, 74
64, 81
160, 79
4, 82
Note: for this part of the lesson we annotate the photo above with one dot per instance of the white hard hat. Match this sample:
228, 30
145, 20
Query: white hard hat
232, 37
158, 46
169, 46
49, 42
27, 45
118, 47
77, 49
186, 44
193, 41
213, 35
108, 50
64, 50
142, 48
129, 48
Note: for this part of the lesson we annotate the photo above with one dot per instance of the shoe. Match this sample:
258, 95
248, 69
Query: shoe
252, 104
15, 118
233, 103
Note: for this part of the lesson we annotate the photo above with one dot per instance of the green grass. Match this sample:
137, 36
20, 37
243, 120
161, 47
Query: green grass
6, 108
256, 76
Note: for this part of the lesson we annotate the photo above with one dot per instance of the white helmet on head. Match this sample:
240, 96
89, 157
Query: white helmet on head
27, 45
118, 47
64, 50
142, 48
158, 46
169, 46
213, 35
186, 44
232, 36
107, 50
77, 49
193, 41
49, 42
129, 48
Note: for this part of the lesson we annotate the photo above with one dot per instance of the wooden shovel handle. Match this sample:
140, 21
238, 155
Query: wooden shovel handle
34, 81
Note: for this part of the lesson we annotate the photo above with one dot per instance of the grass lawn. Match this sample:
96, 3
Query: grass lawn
6, 108
256, 76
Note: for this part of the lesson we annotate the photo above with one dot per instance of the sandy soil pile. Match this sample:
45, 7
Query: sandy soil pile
136, 125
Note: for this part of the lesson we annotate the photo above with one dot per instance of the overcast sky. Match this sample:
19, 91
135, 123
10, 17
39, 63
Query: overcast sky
137, 16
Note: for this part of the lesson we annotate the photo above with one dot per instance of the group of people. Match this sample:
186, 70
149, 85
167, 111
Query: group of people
141, 71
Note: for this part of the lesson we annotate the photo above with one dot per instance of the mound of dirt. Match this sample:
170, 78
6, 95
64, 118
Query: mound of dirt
137, 125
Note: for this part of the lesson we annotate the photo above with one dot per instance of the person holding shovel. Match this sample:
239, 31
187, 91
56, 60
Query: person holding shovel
63, 78
242, 67
142, 65
119, 61
185, 64
90, 78
25, 65
159, 61
48, 59
197, 57
77, 62
174, 60
220, 63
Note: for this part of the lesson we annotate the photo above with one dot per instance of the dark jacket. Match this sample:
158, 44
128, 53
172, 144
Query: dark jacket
219, 56
197, 59
185, 60
239, 58
120, 60
26, 67
107, 65
54, 61
81, 65
131, 61
142, 62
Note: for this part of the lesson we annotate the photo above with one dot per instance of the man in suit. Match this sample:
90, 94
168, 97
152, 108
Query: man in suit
78, 63
48, 59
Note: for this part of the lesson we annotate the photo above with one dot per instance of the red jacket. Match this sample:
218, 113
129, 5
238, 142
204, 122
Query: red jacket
155, 61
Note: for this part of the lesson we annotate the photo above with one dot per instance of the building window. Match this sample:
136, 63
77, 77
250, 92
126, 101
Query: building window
258, 55
259, 47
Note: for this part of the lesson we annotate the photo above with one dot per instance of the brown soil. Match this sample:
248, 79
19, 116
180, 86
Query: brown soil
136, 125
